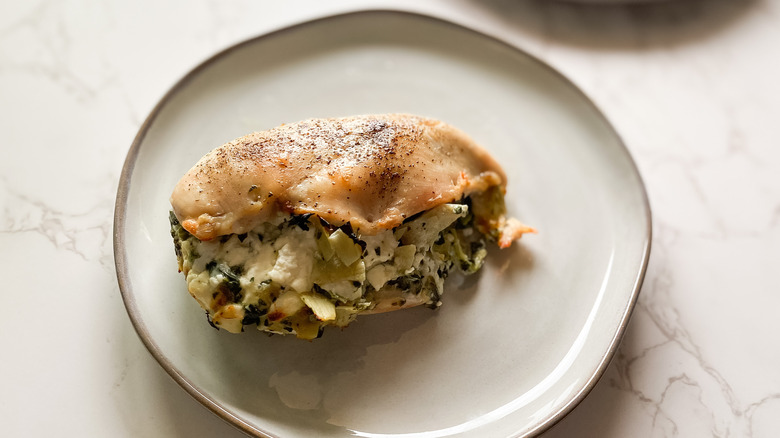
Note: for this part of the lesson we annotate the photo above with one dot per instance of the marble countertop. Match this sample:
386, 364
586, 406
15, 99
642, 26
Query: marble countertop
691, 86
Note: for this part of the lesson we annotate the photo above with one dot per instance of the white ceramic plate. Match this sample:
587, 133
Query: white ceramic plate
512, 350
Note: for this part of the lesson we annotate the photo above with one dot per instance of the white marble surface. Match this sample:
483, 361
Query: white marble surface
691, 85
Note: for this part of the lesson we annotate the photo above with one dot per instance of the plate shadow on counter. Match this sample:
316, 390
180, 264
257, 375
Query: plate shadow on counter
638, 26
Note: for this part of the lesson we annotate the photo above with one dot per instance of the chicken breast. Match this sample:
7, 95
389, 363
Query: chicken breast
310, 224
371, 171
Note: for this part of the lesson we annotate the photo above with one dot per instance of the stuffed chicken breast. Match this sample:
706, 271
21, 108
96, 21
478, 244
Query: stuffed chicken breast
310, 224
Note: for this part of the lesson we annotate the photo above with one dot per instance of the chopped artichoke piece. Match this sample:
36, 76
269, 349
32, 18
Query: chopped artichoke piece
346, 248
424, 230
322, 307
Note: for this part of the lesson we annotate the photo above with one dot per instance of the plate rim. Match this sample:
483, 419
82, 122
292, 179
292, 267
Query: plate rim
120, 207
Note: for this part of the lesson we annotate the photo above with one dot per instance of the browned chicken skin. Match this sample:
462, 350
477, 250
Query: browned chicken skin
372, 171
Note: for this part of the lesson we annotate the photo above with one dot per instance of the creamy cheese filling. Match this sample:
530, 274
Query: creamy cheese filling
298, 274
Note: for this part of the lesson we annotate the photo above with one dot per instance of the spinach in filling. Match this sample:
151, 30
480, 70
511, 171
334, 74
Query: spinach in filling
300, 273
